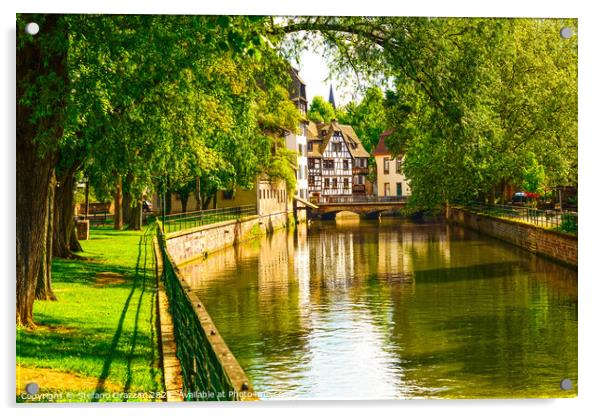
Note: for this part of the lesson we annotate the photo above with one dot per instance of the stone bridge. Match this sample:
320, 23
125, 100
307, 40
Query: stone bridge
328, 207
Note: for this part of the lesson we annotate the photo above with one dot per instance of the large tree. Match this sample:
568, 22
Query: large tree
41, 84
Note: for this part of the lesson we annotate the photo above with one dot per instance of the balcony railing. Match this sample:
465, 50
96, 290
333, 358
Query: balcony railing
359, 170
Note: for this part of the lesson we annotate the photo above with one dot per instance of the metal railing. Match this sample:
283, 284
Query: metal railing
553, 219
359, 199
209, 369
186, 220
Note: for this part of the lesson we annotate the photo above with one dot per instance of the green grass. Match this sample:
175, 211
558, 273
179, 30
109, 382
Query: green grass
105, 333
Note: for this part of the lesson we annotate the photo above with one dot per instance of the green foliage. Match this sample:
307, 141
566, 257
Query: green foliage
568, 224
320, 110
177, 96
368, 118
472, 96
282, 166
534, 175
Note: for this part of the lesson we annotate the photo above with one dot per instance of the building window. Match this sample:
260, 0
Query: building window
329, 164
326, 183
311, 180
228, 194
346, 183
361, 179
386, 166
398, 166
309, 146
337, 147
334, 183
345, 165
387, 189
300, 149
398, 188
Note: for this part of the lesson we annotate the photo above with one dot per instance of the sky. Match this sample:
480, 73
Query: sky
313, 69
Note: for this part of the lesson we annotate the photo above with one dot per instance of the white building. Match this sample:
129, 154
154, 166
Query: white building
298, 142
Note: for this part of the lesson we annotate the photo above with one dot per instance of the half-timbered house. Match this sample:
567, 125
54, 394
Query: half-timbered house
337, 160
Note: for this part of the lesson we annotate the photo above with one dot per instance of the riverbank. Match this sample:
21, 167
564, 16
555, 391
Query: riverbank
549, 243
98, 342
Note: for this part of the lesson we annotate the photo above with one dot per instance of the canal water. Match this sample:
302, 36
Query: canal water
392, 309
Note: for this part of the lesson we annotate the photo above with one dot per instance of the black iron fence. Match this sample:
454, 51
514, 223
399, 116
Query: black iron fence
209, 369
186, 220
553, 219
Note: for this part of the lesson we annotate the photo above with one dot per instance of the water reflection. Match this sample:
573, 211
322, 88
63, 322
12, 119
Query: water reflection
391, 310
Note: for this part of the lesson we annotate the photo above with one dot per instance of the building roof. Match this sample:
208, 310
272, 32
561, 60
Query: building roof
320, 133
381, 148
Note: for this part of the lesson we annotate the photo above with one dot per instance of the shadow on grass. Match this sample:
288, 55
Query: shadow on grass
87, 340
139, 279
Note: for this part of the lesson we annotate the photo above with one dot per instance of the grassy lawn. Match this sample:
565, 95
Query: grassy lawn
100, 337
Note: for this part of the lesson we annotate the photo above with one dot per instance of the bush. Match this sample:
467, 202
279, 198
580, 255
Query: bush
568, 224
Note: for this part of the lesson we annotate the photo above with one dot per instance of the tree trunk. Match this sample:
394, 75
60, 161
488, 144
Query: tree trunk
64, 225
184, 201
44, 284
41, 70
74, 244
126, 207
197, 194
492, 196
118, 198
167, 202
127, 198
135, 219
206, 202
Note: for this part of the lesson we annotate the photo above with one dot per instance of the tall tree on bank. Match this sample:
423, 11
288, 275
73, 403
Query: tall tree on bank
41, 82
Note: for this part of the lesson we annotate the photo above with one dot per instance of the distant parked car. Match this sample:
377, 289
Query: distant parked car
147, 206
519, 198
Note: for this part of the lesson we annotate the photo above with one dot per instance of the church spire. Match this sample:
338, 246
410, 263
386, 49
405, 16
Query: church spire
331, 98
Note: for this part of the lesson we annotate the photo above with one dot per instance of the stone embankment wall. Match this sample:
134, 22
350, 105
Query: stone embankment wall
198, 242
555, 245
